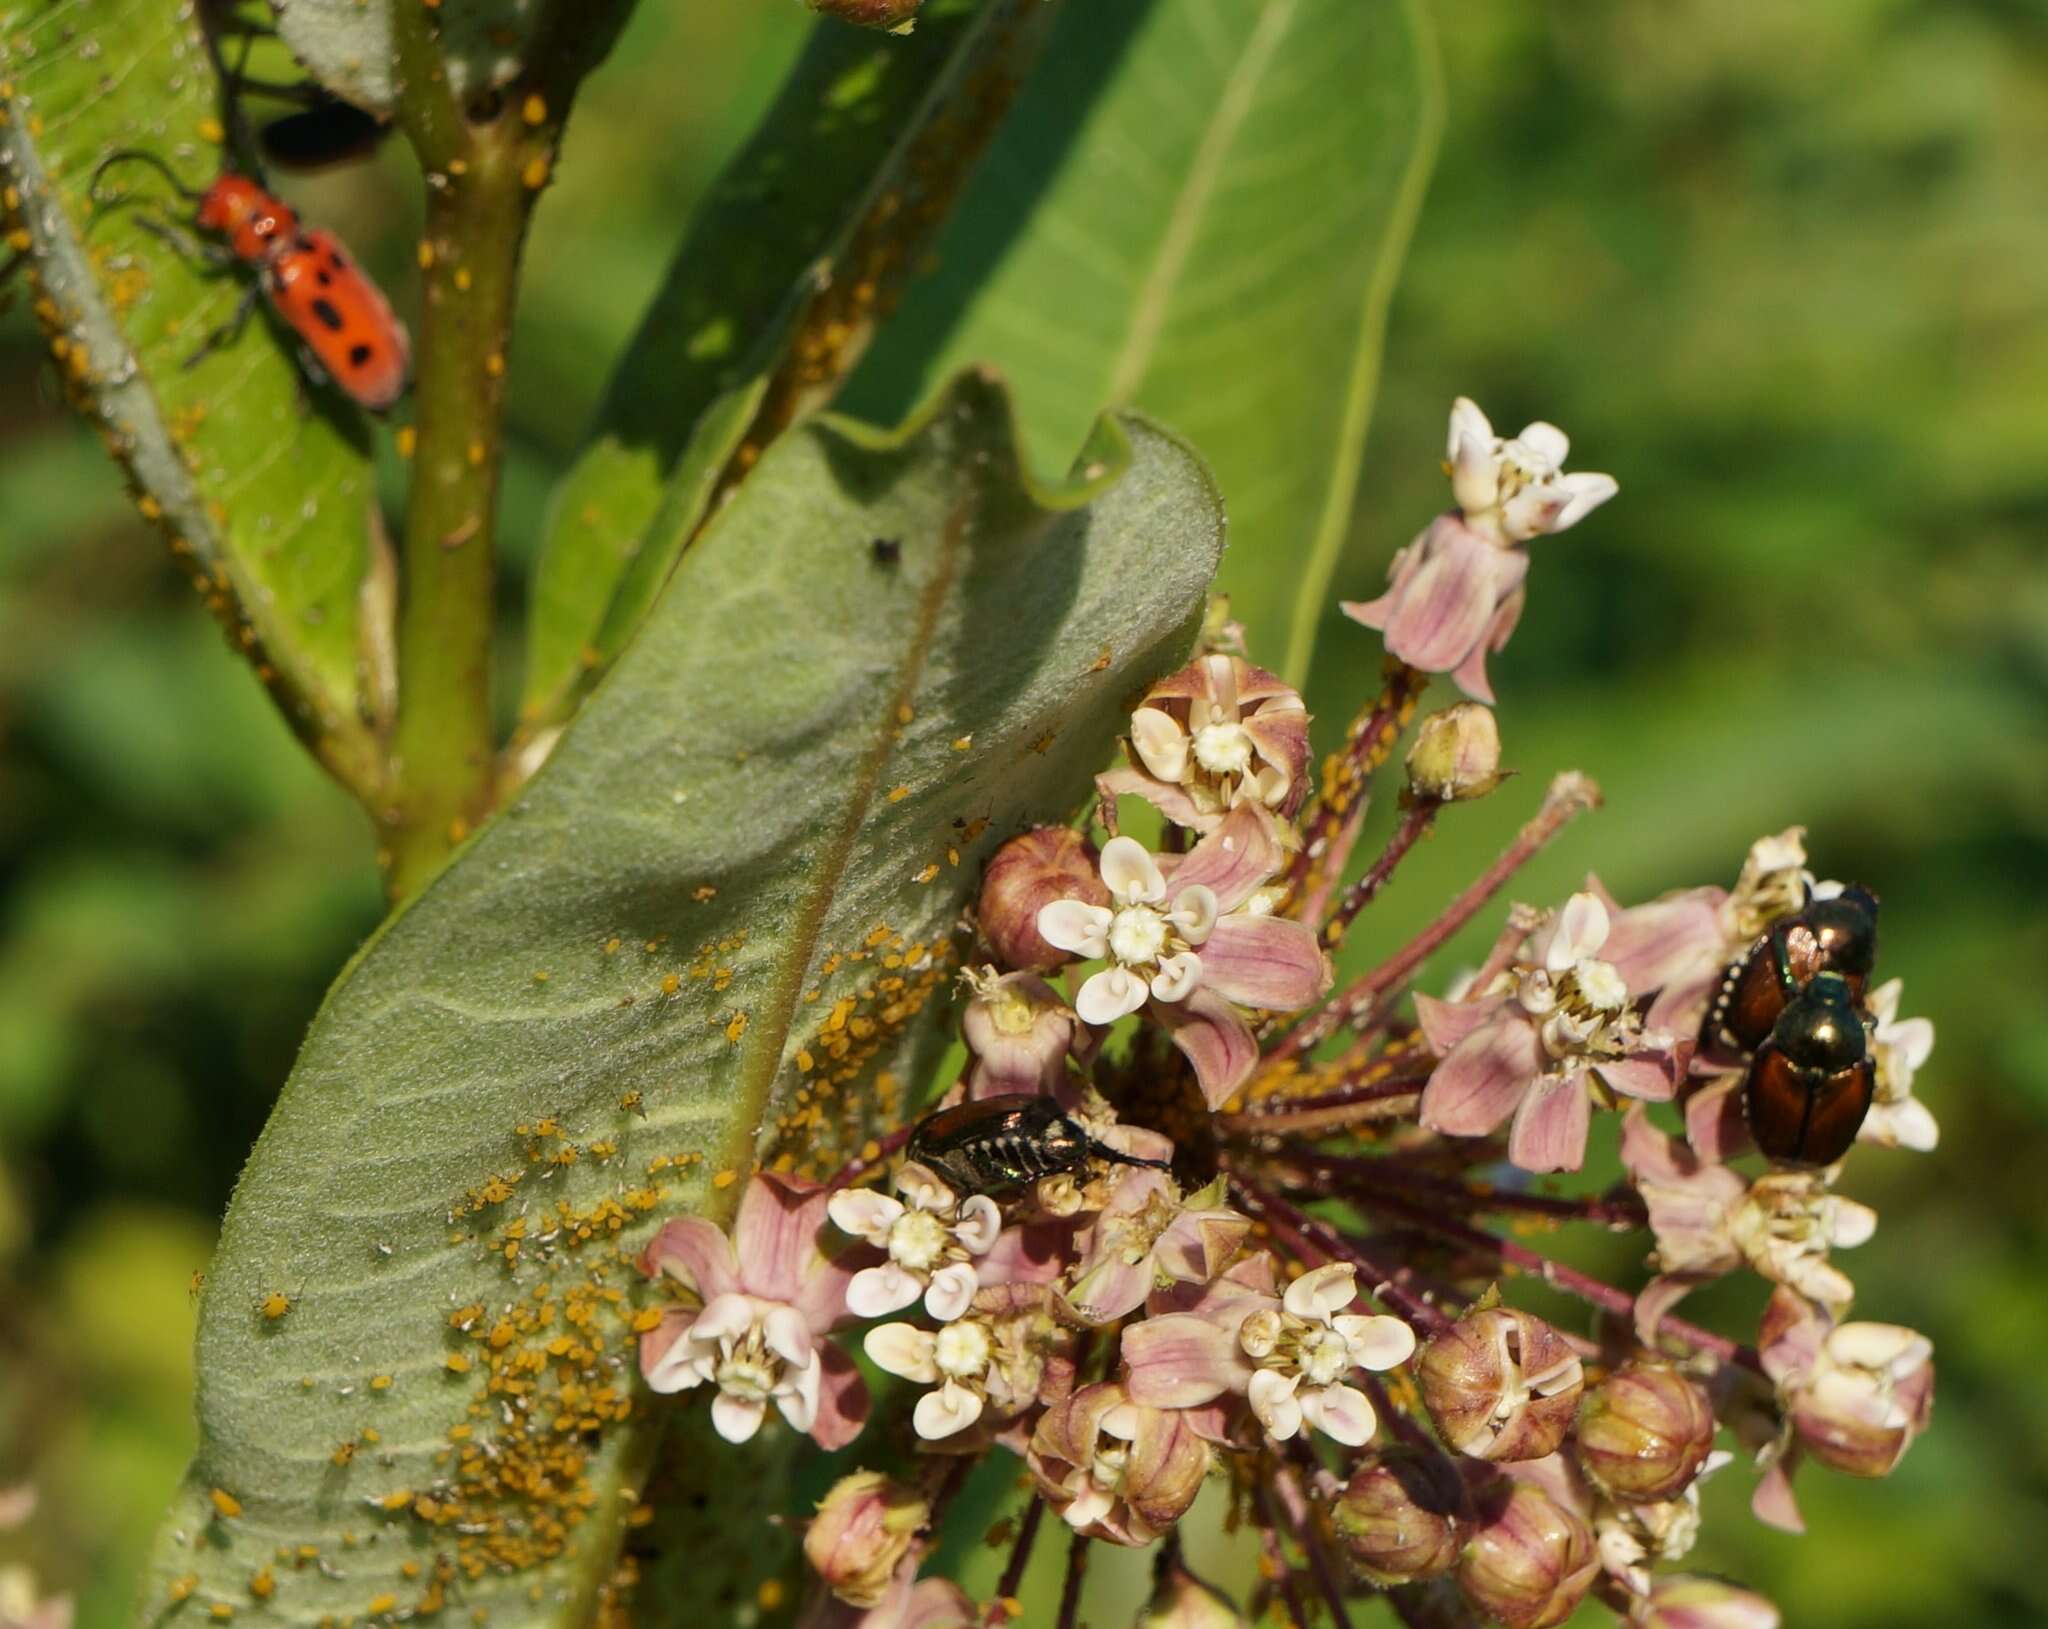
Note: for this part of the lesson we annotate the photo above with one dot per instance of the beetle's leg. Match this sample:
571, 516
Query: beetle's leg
231, 330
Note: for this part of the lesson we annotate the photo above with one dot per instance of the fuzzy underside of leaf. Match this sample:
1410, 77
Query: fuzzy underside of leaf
735, 890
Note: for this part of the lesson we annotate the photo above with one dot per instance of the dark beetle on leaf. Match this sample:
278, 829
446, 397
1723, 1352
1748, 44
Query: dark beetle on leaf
1837, 935
999, 1143
1811, 1082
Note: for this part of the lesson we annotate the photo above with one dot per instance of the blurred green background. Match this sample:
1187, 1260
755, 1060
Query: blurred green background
1780, 269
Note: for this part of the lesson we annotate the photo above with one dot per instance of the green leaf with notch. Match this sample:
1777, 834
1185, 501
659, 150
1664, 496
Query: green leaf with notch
718, 924
1216, 243
262, 482
770, 297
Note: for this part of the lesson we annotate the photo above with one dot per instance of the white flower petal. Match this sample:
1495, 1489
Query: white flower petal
728, 1316
945, 1412
1109, 995
798, 1395
1543, 447
1271, 1395
1194, 912
1581, 931
737, 1418
1475, 473
1340, 1412
1582, 494
979, 1224
951, 1293
678, 1369
1377, 1342
1467, 420
1178, 976
864, 1213
1851, 1224
785, 1333
1318, 1293
922, 1190
1076, 926
902, 1349
1162, 745
1130, 873
875, 1292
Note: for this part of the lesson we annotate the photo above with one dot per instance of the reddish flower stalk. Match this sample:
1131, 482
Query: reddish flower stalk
1294, 1502
1569, 797
1021, 1547
1070, 1585
1326, 1111
1333, 821
1413, 825
1360, 1177
1582, 1286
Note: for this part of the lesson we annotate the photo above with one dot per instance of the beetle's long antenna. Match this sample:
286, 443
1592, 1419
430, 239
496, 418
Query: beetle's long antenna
135, 155
1116, 1156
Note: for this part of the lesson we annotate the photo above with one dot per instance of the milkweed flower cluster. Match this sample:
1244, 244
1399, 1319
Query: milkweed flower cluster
1247, 1222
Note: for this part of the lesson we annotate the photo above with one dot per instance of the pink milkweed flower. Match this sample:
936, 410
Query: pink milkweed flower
931, 1238
1455, 593
767, 1297
1019, 1032
1115, 1469
987, 1366
1190, 940
1897, 1118
1218, 733
1287, 1356
1709, 1220
1145, 1236
1534, 1045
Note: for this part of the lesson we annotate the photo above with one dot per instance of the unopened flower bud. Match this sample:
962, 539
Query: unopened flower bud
1531, 1561
1456, 755
1019, 1031
1682, 1602
1115, 1469
897, 16
1869, 1395
864, 1528
1026, 874
1644, 1433
1182, 1601
1403, 1516
1501, 1384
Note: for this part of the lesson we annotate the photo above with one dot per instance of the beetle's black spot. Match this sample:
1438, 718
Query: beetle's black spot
330, 319
324, 278
359, 355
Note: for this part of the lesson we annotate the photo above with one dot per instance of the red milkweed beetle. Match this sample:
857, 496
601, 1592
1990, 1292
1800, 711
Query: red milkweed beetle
347, 327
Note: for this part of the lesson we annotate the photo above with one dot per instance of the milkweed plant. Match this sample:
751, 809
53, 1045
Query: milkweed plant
892, 1046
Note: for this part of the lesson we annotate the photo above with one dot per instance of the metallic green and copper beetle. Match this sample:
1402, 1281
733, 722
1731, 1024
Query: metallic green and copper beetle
1812, 1081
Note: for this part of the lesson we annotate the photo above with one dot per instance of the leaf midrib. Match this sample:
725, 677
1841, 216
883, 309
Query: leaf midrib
1184, 220
764, 1063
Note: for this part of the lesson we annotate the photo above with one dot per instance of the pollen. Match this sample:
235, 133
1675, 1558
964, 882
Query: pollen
737, 1027
380, 1604
275, 1305
927, 873
962, 742
225, 1503
898, 793
210, 130
535, 175
725, 1179
534, 110
380, 1382
263, 1585
406, 441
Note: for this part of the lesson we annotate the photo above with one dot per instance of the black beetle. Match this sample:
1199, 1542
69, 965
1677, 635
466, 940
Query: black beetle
1837, 935
1811, 1082
1000, 1143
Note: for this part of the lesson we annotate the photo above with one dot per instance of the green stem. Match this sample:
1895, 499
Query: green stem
485, 168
